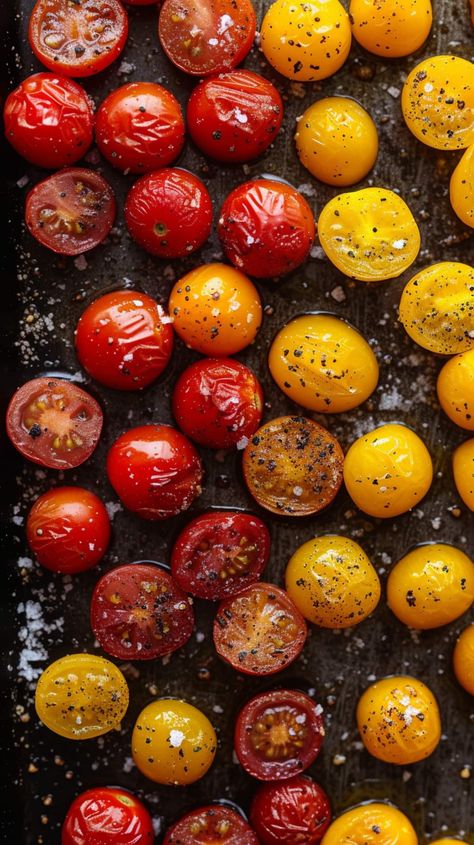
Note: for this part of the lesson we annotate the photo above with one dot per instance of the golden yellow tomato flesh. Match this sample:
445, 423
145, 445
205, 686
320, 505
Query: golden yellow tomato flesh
391, 28
371, 824
461, 188
463, 471
463, 659
455, 389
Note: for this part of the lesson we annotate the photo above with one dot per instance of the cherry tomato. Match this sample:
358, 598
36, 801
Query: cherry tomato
68, 529
449, 841
294, 812
394, 28
461, 188
211, 825
293, 466
71, 211
54, 423
259, 631
124, 340
463, 471
218, 403
78, 38
266, 228
155, 471
371, 824
455, 388
235, 116
169, 213
49, 120
220, 552
140, 2
398, 720
463, 659
107, 815
140, 127
202, 37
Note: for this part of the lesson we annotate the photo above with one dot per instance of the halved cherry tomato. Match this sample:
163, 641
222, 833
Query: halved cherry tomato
266, 228
107, 815
138, 613
234, 116
68, 529
220, 552
54, 423
71, 211
140, 2
259, 631
294, 812
155, 471
202, 37
78, 37
213, 825
218, 403
278, 734
169, 212
124, 340
49, 120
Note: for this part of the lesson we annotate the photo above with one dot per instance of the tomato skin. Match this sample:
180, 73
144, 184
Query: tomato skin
463, 472
49, 120
463, 659
235, 116
294, 812
461, 188
373, 824
207, 825
107, 815
68, 529
392, 29
155, 471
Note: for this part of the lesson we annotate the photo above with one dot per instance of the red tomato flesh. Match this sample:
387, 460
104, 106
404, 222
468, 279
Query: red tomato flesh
214, 825
107, 816
294, 812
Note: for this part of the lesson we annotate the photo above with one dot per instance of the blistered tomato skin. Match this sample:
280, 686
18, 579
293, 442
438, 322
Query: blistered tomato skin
371, 824
463, 471
106, 816
291, 811
455, 388
212, 824
461, 188
391, 29
322, 363
463, 659
337, 141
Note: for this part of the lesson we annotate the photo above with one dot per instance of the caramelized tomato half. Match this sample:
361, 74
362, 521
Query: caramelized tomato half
214, 825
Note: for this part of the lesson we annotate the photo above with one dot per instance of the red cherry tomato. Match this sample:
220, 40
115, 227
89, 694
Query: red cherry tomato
68, 529
259, 631
54, 423
78, 38
213, 825
203, 37
140, 127
124, 340
220, 552
266, 228
140, 2
155, 471
169, 213
71, 211
234, 116
293, 812
107, 815
218, 403
49, 120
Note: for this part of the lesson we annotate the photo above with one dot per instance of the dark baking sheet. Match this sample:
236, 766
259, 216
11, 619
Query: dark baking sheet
42, 297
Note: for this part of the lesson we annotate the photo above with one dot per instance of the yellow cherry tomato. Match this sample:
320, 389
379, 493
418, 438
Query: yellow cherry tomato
388, 471
431, 586
398, 720
438, 102
173, 742
216, 310
371, 824
455, 389
306, 41
463, 471
337, 141
463, 659
449, 841
81, 696
370, 235
323, 363
437, 308
332, 582
461, 188
391, 28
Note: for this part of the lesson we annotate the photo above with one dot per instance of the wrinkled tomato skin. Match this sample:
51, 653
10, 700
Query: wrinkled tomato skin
155, 471
68, 530
212, 544
107, 816
294, 812
210, 822
49, 120
235, 116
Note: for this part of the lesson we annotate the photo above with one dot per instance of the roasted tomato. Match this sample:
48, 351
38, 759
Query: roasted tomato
463, 659
220, 552
259, 631
68, 529
71, 211
294, 812
235, 116
49, 120
449, 841
124, 340
140, 127
455, 388
202, 37
78, 38
218, 403
107, 815
173, 742
54, 423
155, 471
81, 696
463, 471
140, 2
371, 824
461, 188
211, 825
266, 228
293, 466
391, 29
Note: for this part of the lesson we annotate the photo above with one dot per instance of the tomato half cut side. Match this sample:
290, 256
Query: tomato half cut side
54, 423
209, 826
259, 631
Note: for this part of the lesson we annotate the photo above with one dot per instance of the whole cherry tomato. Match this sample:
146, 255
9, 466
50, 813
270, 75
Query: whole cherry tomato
107, 815
371, 824
392, 29
455, 389
209, 825
463, 472
463, 659
293, 812
461, 188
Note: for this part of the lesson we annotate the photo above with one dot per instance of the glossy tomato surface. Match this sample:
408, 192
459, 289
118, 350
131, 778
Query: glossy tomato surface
213, 825
294, 812
107, 815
